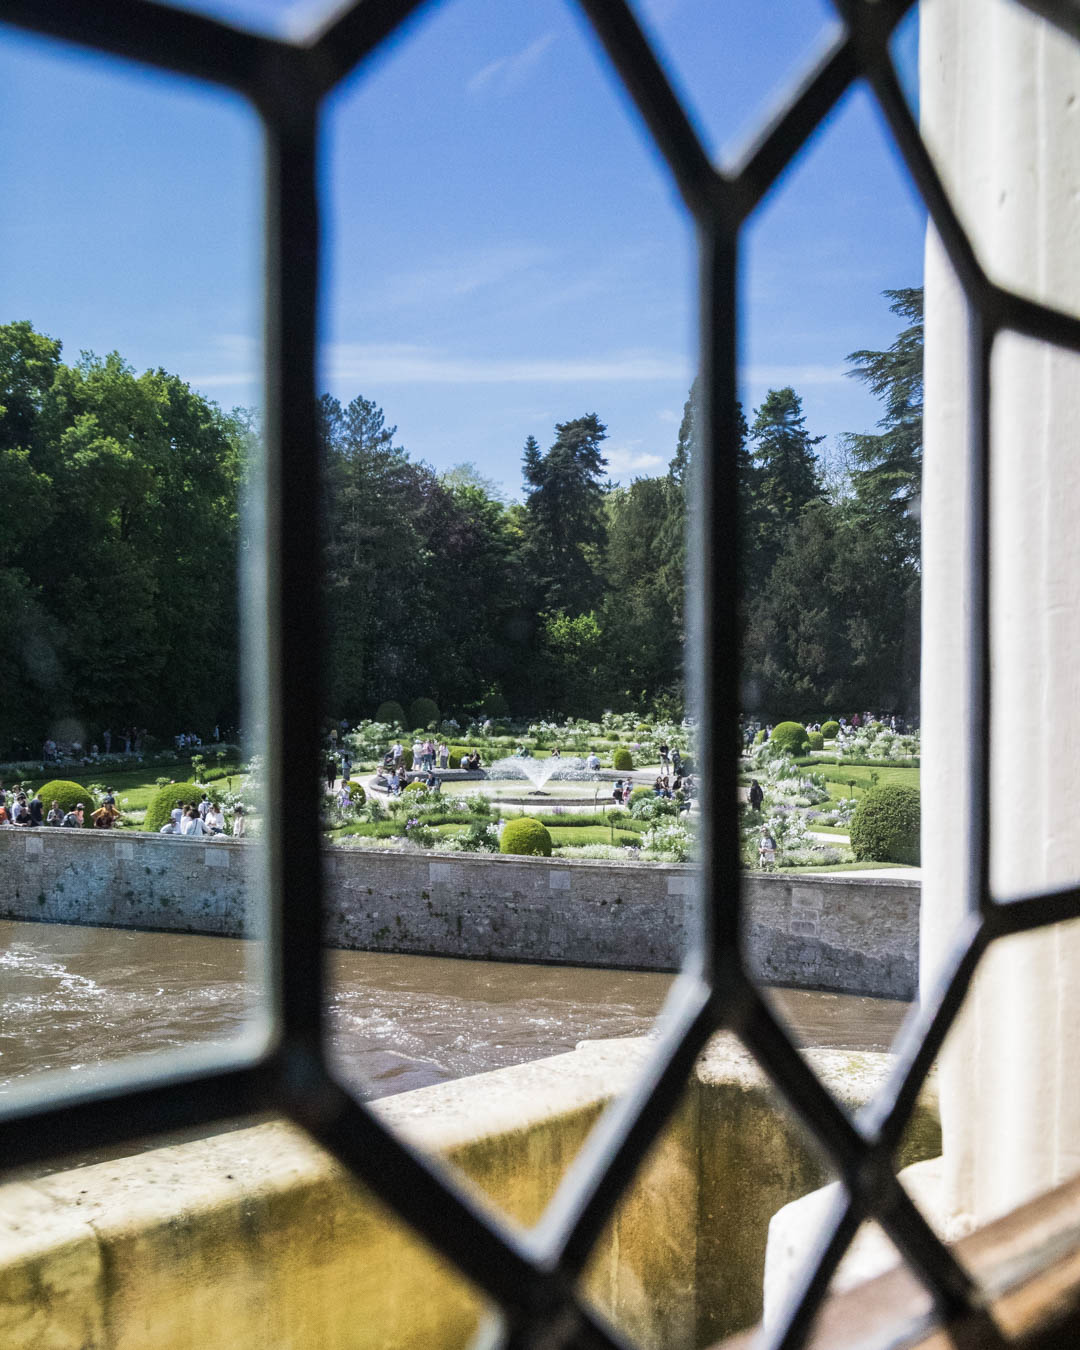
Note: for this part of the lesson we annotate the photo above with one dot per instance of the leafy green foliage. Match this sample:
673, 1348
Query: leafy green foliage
357, 794
416, 786
163, 801
393, 714
816, 740
885, 827
525, 835
830, 730
622, 760
789, 737
68, 794
424, 712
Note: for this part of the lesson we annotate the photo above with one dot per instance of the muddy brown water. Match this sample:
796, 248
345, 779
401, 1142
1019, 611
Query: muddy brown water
75, 999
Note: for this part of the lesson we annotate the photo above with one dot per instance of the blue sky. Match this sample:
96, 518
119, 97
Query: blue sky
503, 250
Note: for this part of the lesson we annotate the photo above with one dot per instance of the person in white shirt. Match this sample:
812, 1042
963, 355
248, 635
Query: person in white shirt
177, 816
204, 806
192, 826
593, 762
215, 819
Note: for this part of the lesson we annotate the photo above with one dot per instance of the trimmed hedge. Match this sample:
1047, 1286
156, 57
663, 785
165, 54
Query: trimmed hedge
417, 785
639, 794
885, 827
424, 712
357, 795
525, 835
830, 730
165, 798
790, 736
816, 739
623, 760
759, 739
390, 712
67, 793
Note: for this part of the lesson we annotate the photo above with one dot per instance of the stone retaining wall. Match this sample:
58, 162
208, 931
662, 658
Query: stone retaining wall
855, 935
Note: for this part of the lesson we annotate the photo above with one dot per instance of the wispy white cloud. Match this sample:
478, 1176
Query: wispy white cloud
628, 459
509, 73
668, 415
453, 278
403, 363
776, 377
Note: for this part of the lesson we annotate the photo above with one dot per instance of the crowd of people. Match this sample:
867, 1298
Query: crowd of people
202, 819
22, 811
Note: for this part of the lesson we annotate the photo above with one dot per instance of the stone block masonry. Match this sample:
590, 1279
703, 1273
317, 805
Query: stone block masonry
854, 935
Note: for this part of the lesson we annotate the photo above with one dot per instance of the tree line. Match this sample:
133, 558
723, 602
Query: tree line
121, 531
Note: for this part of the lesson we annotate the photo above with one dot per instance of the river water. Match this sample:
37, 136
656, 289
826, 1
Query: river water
76, 998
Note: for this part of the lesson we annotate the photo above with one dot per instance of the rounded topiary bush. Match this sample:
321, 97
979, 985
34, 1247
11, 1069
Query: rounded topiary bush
417, 785
454, 761
830, 730
639, 794
816, 739
164, 799
623, 760
390, 713
885, 827
525, 835
424, 712
790, 736
68, 794
357, 795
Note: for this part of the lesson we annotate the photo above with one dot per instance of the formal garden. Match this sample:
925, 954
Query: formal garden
830, 802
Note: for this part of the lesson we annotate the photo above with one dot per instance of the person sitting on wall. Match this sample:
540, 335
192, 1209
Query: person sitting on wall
393, 784
593, 762
73, 819
616, 792
104, 817
214, 820
767, 851
556, 753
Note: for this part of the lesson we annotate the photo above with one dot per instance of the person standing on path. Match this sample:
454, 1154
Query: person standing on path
665, 758
331, 772
756, 796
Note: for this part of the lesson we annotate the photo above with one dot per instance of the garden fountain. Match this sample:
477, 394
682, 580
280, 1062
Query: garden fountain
539, 771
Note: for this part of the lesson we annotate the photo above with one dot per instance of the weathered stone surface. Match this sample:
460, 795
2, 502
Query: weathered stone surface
855, 935
256, 1240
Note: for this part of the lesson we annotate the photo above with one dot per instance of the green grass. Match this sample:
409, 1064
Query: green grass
815, 828
136, 785
591, 834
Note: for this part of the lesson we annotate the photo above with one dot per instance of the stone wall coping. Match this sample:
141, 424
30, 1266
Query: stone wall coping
815, 879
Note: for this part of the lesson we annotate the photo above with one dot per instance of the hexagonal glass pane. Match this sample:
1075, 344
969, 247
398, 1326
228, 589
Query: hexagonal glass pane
130, 559
507, 354
831, 378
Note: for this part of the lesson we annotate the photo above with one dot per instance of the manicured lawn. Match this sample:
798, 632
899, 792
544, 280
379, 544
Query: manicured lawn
837, 780
815, 828
136, 785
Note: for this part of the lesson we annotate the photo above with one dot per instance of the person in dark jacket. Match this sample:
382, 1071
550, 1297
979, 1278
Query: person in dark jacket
756, 796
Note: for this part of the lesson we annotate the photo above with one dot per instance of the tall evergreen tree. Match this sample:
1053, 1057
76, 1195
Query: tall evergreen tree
888, 478
565, 514
788, 477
